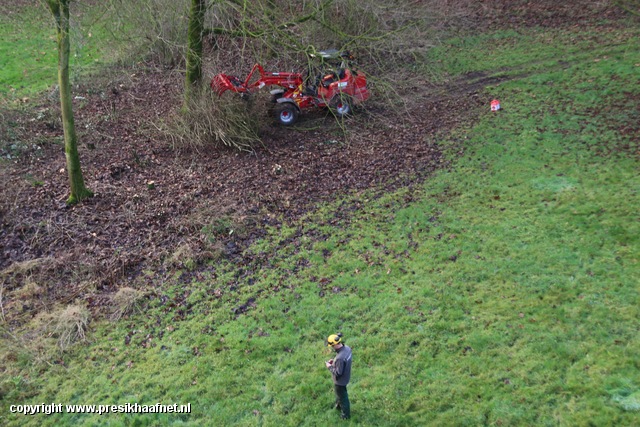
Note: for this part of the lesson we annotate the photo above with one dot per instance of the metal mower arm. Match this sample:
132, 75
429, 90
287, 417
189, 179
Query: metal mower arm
223, 82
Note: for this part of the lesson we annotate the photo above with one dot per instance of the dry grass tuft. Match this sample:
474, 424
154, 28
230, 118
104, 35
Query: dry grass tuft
25, 268
32, 286
30, 291
183, 257
44, 337
126, 301
70, 325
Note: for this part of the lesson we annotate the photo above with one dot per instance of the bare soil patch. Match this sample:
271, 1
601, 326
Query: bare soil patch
151, 199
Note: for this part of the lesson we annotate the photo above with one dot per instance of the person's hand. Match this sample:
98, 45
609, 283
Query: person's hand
328, 363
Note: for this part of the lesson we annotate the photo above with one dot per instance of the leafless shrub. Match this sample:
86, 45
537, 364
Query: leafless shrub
209, 121
154, 29
126, 301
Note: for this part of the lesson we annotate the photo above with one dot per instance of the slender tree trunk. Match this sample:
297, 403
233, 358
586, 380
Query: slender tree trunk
194, 48
631, 6
60, 11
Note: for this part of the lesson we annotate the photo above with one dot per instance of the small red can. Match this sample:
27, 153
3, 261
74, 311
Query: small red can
495, 105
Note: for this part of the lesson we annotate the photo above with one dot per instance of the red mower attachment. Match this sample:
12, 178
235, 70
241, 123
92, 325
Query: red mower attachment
224, 82
337, 86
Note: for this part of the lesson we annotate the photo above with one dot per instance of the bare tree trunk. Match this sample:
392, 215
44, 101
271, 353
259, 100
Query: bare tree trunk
194, 47
60, 11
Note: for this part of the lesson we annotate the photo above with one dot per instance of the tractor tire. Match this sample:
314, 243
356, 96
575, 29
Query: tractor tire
287, 113
341, 105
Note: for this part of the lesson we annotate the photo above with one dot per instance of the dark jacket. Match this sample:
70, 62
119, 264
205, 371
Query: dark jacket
341, 366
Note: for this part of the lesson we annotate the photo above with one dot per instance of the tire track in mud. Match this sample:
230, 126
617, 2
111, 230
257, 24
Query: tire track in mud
477, 81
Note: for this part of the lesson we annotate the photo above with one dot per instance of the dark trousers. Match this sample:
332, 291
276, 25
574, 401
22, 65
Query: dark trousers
342, 400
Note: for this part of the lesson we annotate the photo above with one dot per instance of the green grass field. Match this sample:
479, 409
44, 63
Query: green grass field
29, 55
503, 291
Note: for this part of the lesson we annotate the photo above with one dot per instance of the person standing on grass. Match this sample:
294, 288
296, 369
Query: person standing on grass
340, 368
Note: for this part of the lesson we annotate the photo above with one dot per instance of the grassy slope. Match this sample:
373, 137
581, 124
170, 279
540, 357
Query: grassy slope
504, 292
29, 55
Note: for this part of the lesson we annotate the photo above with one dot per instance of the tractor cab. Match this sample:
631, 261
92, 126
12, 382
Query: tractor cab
334, 58
326, 67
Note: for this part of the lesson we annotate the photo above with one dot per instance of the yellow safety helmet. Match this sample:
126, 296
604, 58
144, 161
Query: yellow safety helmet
334, 339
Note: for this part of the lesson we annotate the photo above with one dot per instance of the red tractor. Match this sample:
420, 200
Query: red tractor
333, 84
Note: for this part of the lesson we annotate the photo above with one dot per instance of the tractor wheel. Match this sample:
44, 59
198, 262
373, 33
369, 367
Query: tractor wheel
287, 113
342, 105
